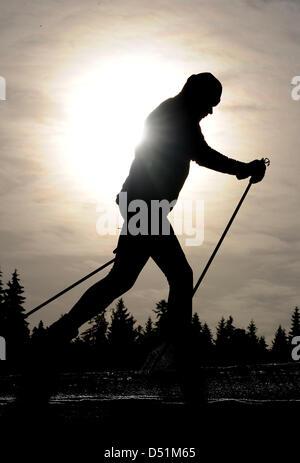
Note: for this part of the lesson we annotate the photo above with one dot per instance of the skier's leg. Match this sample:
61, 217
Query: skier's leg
170, 257
131, 256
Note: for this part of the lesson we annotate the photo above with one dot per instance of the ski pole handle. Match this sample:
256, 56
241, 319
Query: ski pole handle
260, 169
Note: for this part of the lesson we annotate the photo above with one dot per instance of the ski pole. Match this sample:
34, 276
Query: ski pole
221, 239
68, 288
267, 163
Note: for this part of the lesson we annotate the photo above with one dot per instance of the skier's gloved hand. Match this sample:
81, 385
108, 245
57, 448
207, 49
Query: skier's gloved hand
255, 169
258, 169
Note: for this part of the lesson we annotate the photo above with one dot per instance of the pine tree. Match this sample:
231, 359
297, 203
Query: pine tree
162, 322
262, 343
239, 352
221, 331
221, 341
263, 352
225, 330
196, 325
226, 340
295, 324
253, 349
122, 335
251, 332
206, 335
38, 331
148, 339
121, 330
280, 346
229, 328
13, 294
206, 344
149, 333
15, 326
149, 328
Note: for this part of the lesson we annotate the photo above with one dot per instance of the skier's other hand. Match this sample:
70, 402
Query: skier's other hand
255, 169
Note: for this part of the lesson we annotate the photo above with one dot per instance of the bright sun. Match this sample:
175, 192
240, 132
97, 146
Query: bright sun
106, 112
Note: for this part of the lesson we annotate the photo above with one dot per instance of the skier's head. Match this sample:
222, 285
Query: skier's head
202, 92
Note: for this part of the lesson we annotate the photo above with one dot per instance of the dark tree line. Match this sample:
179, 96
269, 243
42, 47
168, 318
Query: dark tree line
116, 342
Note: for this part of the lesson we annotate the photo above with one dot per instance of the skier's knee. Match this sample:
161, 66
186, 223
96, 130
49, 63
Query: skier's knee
184, 276
125, 285
188, 274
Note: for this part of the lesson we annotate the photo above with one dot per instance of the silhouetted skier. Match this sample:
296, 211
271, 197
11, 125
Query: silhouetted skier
172, 139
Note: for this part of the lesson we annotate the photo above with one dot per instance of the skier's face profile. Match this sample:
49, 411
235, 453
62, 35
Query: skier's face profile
204, 110
201, 109
202, 92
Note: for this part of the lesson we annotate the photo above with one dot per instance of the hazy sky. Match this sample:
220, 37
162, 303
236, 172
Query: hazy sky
67, 143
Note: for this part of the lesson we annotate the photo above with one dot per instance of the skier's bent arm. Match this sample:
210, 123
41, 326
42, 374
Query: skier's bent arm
212, 159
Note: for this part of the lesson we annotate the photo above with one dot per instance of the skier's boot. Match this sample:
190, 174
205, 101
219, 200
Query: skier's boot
191, 377
41, 367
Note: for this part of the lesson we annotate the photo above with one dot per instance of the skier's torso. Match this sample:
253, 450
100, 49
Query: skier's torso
162, 160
